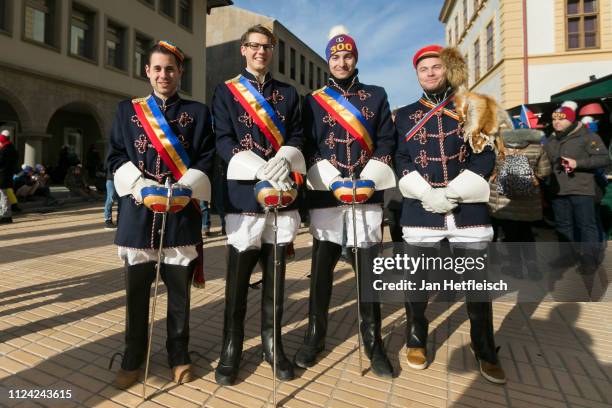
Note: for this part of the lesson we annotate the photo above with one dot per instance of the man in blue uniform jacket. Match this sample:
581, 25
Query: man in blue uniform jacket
259, 136
154, 138
445, 189
349, 136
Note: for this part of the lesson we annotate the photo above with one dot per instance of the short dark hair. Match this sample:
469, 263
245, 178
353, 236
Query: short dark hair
259, 29
162, 50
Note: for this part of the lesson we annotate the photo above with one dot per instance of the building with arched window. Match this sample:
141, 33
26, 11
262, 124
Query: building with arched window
67, 63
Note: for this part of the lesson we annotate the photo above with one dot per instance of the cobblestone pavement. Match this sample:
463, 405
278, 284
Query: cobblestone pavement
62, 318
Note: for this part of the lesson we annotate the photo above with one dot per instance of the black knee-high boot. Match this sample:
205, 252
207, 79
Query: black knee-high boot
370, 315
480, 311
178, 281
325, 255
418, 324
239, 268
416, 336
481, 331
138, 280
284, 367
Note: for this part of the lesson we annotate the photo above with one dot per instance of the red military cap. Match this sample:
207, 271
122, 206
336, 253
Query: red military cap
427, 51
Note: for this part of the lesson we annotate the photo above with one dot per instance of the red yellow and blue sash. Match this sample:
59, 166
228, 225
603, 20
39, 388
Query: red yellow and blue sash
347, 115
429, 115
259, 109
162, 137
446, 111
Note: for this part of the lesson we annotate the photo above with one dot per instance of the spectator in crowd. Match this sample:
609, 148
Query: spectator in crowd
8, 166
606, 202
515, 201
25, 184
218, 190
205, 218
41, 176
67, 159
111, 197
43, 179
93, 161
76, 184
601, 182
575, 154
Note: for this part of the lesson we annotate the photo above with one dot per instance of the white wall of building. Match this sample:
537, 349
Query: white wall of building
541, 27
492, 86
546, 80
479, 30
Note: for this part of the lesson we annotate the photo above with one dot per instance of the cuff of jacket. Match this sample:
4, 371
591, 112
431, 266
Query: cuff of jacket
380, 173
413, 185
470, 187
244, 166
198, 182
294, 157
125, 178
320, 175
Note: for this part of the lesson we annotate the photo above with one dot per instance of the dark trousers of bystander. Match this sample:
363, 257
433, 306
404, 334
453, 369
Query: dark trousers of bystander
576, 221
575, 218
520, 247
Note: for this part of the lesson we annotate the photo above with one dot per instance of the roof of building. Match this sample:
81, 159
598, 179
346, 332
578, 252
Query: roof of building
593, 89
446, 9
211, 4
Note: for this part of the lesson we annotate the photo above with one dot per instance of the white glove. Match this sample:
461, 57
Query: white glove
140, 184
277, 168
274, 184
285, 184
435, 200
452, 195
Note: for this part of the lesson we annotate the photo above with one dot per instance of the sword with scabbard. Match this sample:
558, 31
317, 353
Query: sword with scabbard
168, 187
356, 257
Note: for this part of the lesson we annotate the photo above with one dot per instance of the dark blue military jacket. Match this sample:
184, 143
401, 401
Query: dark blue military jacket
236, 131
327, 139
191, 121
439, 154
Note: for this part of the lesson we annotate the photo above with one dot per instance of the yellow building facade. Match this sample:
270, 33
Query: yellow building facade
523, 51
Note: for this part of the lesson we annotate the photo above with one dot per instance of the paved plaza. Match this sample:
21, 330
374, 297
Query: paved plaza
62, 318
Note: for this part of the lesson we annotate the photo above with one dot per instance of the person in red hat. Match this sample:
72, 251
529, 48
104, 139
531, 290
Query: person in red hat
349, 138
8, 167
576, 153
445, 189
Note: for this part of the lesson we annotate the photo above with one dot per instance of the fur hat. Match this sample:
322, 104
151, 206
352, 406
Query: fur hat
456, 67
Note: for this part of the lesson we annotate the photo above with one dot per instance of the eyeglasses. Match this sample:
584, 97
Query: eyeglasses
256, 46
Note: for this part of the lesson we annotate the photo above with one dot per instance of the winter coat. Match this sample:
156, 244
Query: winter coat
8, 165
590, 153
521, 142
